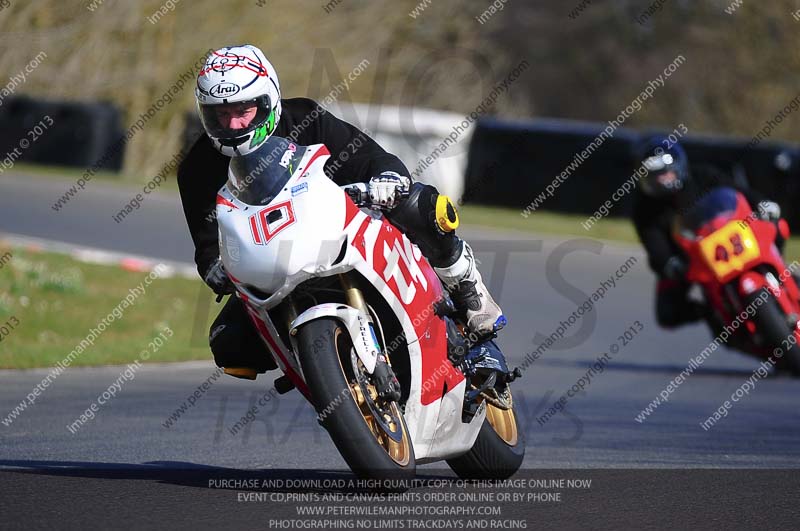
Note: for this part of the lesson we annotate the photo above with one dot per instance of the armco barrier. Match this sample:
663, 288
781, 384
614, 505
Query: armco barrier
511, 163
81, 134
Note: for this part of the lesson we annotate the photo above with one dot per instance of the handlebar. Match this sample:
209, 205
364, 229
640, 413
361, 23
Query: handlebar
358, 193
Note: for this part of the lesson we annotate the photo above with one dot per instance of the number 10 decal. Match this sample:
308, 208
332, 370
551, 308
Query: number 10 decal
268, 222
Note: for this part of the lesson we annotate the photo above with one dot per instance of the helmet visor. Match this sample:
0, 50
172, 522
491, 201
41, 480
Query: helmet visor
232, 120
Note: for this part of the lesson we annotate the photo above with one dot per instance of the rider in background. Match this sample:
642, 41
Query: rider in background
240, 106
665, 192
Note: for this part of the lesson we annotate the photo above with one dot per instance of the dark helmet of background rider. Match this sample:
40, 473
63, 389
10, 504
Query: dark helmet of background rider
666, 166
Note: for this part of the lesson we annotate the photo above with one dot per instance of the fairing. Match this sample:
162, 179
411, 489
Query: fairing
311, 228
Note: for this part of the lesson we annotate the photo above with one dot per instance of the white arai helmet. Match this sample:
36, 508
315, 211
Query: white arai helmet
238, 99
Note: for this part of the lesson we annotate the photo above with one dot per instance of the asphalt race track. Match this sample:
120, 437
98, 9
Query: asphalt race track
128, 452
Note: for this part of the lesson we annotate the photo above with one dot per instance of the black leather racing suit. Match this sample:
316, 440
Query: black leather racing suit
204, 171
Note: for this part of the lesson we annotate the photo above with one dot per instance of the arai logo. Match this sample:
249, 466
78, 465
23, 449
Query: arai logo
224, 90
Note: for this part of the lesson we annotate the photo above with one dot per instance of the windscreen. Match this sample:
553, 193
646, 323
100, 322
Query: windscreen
256, 178
718, 202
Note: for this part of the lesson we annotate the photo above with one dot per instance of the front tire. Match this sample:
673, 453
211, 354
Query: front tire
373, 448
772, 325
498, 451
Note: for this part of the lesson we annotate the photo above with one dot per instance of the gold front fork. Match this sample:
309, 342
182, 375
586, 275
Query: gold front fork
354, 296
289, 312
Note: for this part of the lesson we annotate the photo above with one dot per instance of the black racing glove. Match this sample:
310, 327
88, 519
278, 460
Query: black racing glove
218, 280
675, 268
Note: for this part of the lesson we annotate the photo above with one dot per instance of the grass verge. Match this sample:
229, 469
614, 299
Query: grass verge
71, 175
49, 303
617, 229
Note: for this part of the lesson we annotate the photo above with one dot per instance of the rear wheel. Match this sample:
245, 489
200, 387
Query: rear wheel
773, 326
370, 434
499, 449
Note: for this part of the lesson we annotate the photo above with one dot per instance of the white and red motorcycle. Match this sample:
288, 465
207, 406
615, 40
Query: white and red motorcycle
359, 323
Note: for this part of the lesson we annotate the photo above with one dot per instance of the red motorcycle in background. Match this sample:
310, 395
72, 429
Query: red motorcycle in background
734, 259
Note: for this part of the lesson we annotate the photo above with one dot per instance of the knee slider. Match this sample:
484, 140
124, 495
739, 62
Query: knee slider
446, 214
419, 215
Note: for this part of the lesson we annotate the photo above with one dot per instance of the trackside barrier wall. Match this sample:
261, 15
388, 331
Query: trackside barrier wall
81, 133
511, 163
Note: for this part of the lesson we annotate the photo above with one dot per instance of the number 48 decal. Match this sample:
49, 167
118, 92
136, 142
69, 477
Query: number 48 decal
729, 249
721, 252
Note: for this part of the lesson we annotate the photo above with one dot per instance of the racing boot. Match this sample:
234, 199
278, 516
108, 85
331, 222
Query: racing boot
465, 285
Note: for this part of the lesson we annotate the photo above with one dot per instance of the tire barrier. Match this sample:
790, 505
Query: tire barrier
81, 134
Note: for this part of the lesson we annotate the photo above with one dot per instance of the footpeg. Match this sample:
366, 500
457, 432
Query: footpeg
513, 375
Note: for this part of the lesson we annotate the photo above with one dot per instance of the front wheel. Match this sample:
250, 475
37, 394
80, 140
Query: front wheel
499, 449
370, 434
772, 324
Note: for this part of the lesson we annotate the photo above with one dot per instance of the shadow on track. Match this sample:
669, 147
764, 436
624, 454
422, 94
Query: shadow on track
198, 476
665, 369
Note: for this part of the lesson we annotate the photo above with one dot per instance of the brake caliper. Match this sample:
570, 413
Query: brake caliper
386, 382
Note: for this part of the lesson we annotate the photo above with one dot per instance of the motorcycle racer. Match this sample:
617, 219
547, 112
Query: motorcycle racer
240, 106
665, 192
